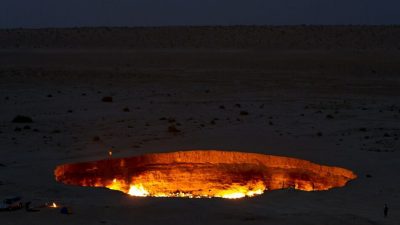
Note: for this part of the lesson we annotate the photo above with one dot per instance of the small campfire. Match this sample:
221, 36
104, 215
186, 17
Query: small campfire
203, 174
53, 205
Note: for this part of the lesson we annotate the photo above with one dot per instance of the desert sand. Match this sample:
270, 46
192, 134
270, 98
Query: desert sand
330, 95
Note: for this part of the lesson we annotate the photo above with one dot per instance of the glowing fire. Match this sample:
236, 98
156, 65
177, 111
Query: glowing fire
138, 190
203, 174
232, 192
53, 205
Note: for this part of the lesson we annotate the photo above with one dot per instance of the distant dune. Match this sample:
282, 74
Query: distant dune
219, 37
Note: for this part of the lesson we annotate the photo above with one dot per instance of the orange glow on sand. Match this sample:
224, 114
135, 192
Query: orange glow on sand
203, 174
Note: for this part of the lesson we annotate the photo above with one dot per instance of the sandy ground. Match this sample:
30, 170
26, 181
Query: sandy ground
338, 107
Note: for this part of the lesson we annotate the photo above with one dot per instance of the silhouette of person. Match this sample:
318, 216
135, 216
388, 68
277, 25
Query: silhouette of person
385, 210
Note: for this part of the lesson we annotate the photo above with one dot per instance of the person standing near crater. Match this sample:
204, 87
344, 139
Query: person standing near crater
385, 210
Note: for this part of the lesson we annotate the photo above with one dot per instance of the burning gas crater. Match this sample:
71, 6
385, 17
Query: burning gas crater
198, 174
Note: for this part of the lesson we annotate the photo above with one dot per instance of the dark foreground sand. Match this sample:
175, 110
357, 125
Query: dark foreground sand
326, 94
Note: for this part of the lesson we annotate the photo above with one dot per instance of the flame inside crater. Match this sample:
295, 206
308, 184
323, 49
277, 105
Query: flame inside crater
197, 174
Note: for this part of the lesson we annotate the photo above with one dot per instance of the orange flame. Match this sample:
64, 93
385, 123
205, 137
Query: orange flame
203, 174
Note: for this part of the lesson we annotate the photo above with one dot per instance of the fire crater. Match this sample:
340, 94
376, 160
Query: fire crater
203, 174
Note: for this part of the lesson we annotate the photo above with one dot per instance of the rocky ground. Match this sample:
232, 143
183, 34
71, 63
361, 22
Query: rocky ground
336, 106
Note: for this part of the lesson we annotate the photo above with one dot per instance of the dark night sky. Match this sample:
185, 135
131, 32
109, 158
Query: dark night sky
62, 13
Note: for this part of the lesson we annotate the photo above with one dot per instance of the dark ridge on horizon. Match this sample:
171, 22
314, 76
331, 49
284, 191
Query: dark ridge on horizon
208, 26
205, 37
